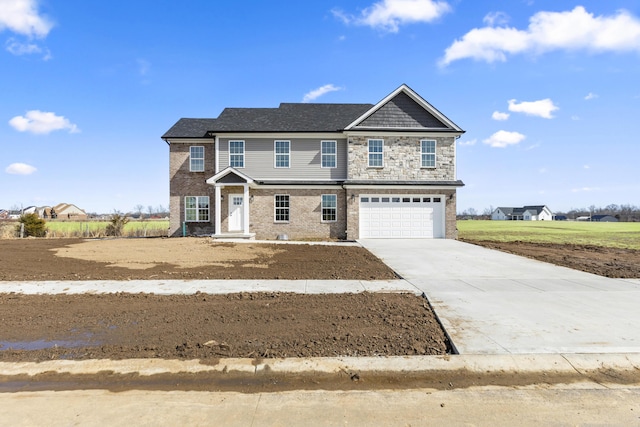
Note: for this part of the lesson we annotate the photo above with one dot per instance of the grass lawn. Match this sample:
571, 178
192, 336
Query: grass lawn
608, 234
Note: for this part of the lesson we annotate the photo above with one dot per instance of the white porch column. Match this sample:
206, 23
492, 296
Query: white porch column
218, 210
246, 208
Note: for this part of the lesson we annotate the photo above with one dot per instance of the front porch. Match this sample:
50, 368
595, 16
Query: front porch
235, 206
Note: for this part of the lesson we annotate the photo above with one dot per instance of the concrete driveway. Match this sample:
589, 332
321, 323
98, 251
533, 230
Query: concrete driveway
492, 302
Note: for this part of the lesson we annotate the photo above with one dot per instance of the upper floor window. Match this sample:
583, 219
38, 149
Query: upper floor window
281, 205
375, 153
428, 153
196, 208
282, 153
329, 207
329, 154
196, 159
236, 154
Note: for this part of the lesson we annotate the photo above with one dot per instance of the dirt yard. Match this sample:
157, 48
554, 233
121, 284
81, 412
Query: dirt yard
188, 258
206, 327
608, 262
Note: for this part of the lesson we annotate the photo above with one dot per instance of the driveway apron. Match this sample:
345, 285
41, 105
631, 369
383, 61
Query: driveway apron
491, 302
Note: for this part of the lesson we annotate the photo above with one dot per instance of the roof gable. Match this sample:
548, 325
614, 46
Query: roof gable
229, 175
404, 109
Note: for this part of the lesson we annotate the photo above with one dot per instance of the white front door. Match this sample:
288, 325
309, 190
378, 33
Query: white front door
236, 212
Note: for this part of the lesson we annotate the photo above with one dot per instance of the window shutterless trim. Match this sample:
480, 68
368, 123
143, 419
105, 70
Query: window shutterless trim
281, 208
279, 158
196, 209
329, 208
378, 153
196, 158
240, 160
331, 153
429, 154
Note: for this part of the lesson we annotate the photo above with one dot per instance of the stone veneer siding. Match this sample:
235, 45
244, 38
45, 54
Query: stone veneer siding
305, 214
353, 211
401, 159
183, 183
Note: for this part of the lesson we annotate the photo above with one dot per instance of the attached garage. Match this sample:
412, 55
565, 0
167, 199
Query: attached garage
402, 216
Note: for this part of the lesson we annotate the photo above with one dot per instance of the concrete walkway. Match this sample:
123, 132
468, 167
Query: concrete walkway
492, 302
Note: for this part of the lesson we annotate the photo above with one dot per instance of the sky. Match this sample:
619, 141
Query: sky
548, 91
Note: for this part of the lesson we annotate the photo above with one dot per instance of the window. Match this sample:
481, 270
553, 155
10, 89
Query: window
428, 153
236, 154
329, 207
282, 208
196, 159
329, 154
196, 209
375, 153
282, 153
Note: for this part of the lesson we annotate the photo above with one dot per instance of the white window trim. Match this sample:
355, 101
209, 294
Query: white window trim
335, 208
276, 154
435, 155
244, 149
196, 158
275, 207
369, 153
197, 209
335, 154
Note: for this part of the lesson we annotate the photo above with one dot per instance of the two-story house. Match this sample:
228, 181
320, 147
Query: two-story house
321, 171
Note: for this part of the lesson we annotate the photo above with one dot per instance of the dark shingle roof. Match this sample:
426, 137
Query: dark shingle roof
190, 128
288, 117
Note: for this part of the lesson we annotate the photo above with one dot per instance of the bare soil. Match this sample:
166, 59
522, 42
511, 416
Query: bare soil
206, 327
609, 262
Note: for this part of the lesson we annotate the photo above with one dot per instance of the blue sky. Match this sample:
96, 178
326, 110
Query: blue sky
548, 91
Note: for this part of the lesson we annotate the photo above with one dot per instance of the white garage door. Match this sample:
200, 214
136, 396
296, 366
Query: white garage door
401, 216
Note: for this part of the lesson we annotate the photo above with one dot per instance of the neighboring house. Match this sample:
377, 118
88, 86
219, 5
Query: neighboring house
328, 171
526, 213
604, 218
4, 214
559, 217
66, 211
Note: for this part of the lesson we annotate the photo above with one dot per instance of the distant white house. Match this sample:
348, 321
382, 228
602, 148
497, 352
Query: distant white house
525, 213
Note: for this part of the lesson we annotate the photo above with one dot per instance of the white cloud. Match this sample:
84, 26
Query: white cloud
497, 115
543, 170
389, 15
547, 31
586, 167
22, 17
495, 18
467, 143
42, 122
542, 108
20, 169
317, 93
18, 48
503, 138
590, 95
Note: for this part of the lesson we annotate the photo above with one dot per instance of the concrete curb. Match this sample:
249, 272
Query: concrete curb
582, 364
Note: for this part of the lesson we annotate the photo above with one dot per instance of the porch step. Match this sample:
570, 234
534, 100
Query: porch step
250, 236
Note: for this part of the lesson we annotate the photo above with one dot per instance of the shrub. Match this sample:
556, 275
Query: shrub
116, 224
33, 225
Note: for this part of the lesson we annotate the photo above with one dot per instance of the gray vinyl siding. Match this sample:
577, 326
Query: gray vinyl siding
305, 162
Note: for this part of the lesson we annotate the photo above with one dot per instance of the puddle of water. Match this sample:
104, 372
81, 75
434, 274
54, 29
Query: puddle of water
84, 341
